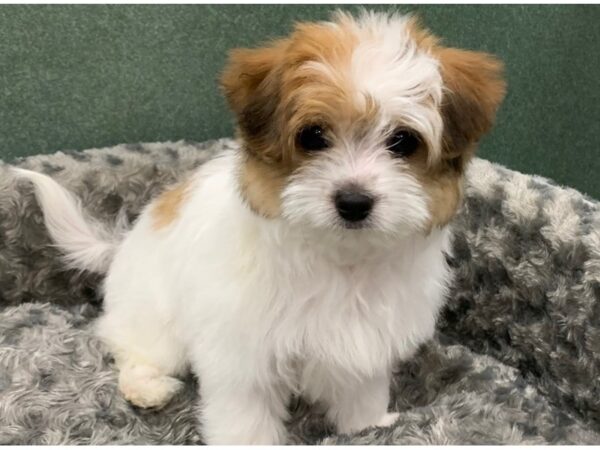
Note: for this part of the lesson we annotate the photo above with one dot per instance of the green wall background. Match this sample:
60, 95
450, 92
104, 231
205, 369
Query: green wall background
80, 76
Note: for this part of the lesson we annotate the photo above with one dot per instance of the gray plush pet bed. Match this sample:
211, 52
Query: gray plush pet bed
516, 358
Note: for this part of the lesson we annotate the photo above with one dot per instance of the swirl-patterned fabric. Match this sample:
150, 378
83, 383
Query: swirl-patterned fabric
516, 359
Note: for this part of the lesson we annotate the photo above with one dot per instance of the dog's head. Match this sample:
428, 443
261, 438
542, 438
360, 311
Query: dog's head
363, 122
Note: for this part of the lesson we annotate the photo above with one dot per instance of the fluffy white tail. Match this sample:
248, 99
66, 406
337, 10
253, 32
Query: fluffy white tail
86, 243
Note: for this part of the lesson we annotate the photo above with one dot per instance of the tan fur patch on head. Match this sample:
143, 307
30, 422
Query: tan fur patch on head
474, 87
167, 206
473, 90
274, 92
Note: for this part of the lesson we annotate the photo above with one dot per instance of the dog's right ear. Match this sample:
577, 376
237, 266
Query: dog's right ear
250, 84
475, 87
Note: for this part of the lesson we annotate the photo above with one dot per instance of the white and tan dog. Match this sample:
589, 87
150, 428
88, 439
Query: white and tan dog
312, 260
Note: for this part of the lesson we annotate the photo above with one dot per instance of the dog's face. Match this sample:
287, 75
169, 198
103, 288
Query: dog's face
360, 123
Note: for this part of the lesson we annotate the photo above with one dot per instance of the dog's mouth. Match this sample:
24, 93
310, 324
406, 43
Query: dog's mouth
362, 225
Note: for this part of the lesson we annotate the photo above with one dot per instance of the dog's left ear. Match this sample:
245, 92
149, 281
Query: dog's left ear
474, 88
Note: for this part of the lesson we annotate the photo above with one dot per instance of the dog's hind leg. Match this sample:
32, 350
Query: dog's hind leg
148, 355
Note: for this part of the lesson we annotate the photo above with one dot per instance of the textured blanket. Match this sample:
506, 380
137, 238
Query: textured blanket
516, 358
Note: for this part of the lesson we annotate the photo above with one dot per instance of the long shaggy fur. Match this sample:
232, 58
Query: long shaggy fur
515, 358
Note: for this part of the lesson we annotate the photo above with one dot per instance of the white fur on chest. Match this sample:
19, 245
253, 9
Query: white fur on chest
357, 311
287, 294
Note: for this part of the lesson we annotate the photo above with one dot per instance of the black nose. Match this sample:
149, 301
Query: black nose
353, 205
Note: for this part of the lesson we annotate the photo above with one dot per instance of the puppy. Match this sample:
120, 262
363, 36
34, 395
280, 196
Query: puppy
312, 259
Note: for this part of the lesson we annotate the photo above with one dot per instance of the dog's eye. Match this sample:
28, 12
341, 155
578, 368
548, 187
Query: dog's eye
312, 138
403, 143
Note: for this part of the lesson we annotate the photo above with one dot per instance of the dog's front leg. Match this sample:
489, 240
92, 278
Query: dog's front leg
241, 404
355, 405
